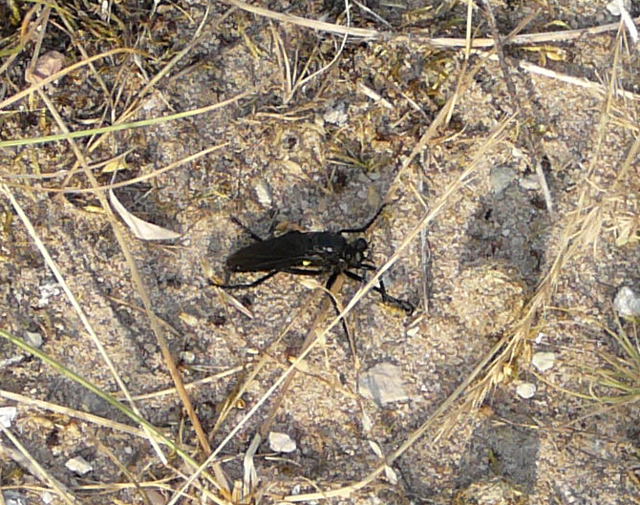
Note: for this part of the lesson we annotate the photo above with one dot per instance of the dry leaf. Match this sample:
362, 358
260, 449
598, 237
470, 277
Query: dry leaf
48, 64
141, 229
115, 165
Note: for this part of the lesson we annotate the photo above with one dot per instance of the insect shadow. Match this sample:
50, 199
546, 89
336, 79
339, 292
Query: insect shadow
309, 253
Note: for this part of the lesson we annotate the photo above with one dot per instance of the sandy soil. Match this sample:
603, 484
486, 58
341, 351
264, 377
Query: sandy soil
323, 155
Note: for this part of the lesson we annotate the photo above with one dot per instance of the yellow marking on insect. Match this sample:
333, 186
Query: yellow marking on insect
306, 263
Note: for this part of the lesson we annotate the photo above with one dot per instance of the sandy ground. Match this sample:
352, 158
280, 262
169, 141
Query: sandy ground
323, 155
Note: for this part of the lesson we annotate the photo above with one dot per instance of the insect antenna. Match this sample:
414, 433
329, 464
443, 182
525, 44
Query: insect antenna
364, 228
248, 284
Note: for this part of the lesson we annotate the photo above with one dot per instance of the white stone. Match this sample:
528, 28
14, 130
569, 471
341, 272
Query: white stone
383, 384
526, 390
543, 361
627, 302
7, 415
281, 442
79, 465
263, 192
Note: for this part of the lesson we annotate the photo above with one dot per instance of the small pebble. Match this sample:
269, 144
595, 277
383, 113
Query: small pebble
336, 116
281, 442
79, 465
46, 65
526, 390
155, 497
543, 361
530, 182
413, 331
540, 338
264, 194
188, 357
627, 302
33, 338
383, 384
7, 415
47, 291
500, 177
12, 497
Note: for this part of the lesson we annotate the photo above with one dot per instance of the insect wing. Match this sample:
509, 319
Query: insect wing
279, 253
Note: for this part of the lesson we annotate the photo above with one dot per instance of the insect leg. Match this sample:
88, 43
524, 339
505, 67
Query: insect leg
302, 271
247, 285
328, 285
266, 277
364, 228
254, 235
330, 281
386, 297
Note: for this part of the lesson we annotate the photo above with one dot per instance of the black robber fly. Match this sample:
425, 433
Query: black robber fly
309, 253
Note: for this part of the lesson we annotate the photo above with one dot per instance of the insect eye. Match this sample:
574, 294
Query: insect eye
361, 245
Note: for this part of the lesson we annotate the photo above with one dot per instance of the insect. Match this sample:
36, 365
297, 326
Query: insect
309, 253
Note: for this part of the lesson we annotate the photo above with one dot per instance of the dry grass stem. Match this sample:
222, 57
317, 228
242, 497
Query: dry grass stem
77, 414
149, 428
58, 75
68, 135
72, 299
446, 200
321, 116
24, 458
534, 151
597, 88
436, 42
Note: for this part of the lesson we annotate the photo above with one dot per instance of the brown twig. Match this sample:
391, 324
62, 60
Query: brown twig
535, 153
